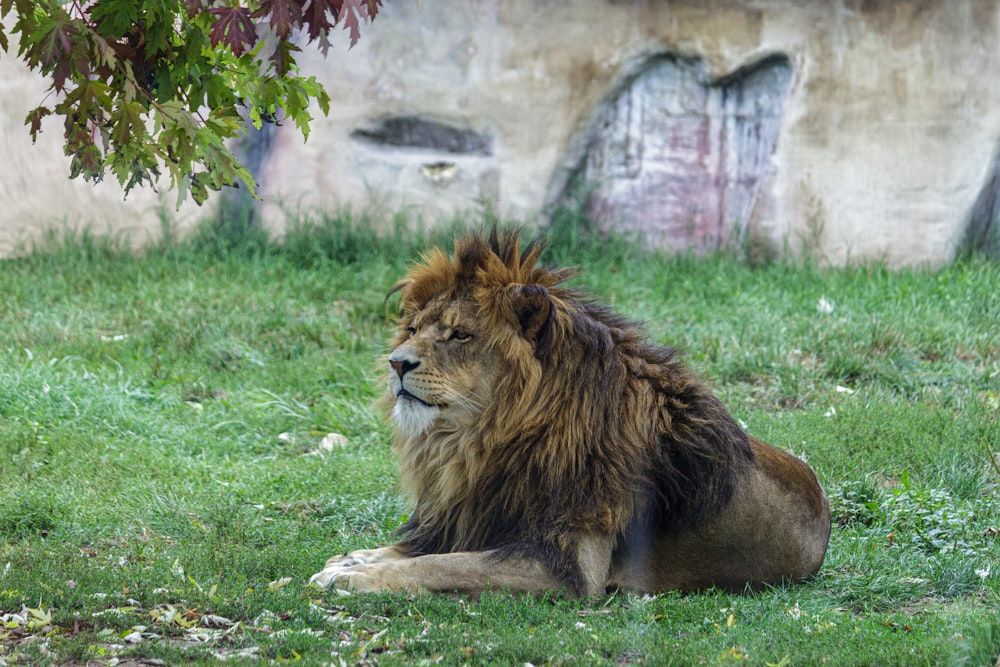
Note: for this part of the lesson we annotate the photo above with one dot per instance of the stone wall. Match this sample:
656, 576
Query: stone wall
854, 130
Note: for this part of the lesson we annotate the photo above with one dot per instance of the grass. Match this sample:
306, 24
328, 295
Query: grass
163, 495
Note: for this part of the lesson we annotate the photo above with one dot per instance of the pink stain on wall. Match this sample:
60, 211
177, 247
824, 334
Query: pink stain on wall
677, 157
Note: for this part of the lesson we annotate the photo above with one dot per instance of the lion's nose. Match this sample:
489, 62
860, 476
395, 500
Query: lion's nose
402, 366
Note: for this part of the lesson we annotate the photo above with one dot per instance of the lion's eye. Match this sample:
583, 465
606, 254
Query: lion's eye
410, 332
459, 335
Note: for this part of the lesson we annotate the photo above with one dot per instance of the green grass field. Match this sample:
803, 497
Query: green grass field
164, 495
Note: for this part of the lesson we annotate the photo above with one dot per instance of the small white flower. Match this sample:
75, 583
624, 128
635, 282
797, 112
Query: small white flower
983, 572
824, 306
832, 412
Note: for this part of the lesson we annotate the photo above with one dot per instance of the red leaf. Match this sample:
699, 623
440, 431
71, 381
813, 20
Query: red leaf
284, 15
56, 43
234, 28
35, 120
316, 18
351, 10
62, 71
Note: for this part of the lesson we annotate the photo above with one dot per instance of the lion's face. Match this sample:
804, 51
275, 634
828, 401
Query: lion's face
443, 371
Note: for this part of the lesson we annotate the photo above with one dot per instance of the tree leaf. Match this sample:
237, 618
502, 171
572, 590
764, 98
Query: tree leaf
353, 10
34, 119
282, 57
234, 28
316, 18
350, 16
114, 18
284, 16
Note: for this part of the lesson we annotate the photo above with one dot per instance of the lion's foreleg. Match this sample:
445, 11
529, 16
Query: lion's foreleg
465, 572
389, 569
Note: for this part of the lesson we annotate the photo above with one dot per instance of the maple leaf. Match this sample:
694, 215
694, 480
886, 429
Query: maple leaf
351, 10
234, 28
113, 18
282, 57
53, 50
61, 72
350, 18
126, 123
316, 18
34, 119
284, 15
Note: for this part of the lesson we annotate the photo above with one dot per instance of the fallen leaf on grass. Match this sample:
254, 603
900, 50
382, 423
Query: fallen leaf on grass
278, 584
213, 621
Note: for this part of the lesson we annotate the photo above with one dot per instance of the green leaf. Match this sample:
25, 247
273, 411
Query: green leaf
115, 18
126, 124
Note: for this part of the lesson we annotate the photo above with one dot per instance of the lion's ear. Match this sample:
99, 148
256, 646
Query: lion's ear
534, 311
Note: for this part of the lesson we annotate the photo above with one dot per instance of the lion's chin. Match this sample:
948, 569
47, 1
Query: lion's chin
413, 417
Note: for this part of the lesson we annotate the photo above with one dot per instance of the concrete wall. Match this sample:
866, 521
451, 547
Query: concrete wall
886, 135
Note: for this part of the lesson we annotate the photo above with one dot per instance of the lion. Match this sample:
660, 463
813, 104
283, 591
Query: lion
549, 448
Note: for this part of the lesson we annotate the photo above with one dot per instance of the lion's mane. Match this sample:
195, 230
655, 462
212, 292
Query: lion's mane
594, 430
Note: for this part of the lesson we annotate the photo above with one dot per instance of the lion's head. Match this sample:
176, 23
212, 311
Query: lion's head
472, 330
442, 371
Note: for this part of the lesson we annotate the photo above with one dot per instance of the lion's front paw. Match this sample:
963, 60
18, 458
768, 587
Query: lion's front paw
357, 569
326, 576
358, 577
